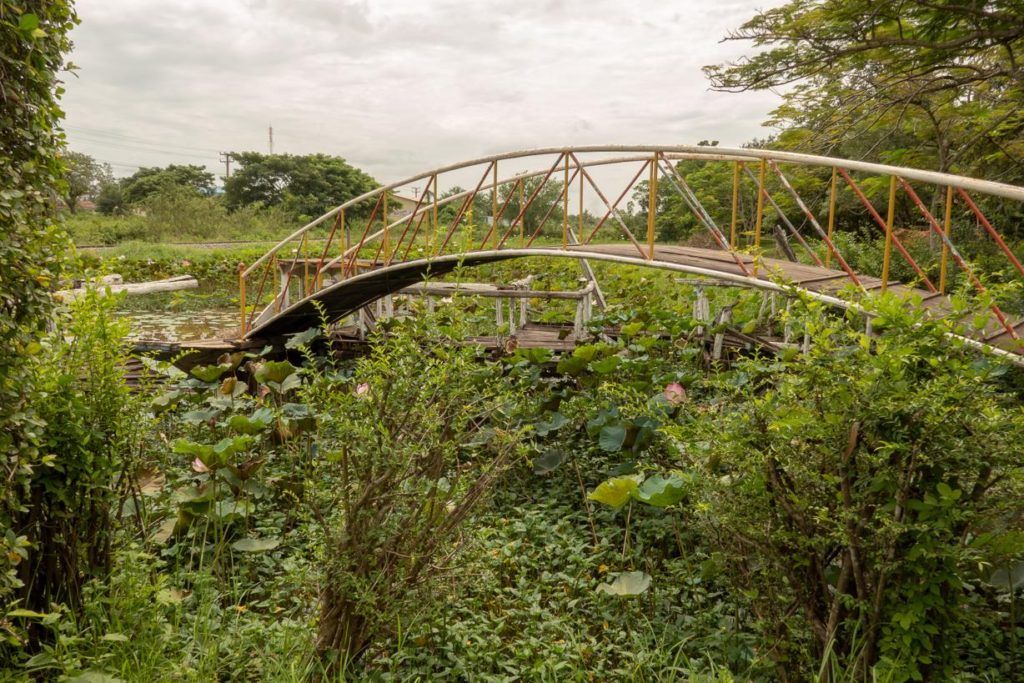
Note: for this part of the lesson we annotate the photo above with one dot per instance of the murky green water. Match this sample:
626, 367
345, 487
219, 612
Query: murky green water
183, 325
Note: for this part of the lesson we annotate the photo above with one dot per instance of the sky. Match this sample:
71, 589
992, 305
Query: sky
398, 87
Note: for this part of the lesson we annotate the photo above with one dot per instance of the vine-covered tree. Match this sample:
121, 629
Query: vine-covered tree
33, 42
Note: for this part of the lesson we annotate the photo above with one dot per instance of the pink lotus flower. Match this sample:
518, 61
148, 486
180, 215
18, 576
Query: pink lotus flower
674, 393
363, 388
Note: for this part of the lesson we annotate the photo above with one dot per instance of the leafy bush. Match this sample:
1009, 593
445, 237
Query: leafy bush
33, 42
416, 439
854, 495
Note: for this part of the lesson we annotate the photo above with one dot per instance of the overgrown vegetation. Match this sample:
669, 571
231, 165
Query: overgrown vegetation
846, 509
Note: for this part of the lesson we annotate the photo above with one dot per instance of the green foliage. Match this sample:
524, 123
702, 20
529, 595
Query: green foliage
912, 83
89, 439
180, 215
33, 43
850, 484
306, 185
175, 178
417, 439
84, 177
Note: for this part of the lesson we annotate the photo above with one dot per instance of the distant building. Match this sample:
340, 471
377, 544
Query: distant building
399, 206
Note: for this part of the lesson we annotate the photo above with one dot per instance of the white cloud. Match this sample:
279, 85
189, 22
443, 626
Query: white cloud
399, 86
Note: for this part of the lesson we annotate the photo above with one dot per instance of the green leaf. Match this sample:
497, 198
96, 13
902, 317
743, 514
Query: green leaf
570, 365
612, 437
41, 661
549, 460
256, 545
243, 424
627, 584
26, 613
605, 365
198, 450
94, 677
302, 338
28, 22
552, 424
115, 638
615, 492
209, 373
231, 510
659, 491
275, 371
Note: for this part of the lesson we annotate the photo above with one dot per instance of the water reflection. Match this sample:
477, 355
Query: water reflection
183, 325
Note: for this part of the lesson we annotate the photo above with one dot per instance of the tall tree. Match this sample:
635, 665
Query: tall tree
147, 182
308, 185
942, 79
84, 178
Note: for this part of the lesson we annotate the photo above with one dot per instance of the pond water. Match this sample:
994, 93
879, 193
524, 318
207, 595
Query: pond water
213, 323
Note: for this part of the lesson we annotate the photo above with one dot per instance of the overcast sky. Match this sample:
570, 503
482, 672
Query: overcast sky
399, 86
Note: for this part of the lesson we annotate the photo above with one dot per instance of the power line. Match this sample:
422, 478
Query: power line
143, 148
97, 131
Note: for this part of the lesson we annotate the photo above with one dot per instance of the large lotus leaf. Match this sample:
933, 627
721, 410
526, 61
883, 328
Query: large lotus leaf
662, 491
232, 387
209, 373
612, 437
245, 424
605, 365
256, 545
616, 492
232, 510
549, 460
627, 584
166, 400
230, 447
196, 450
555, 422
302, 338
194, 417
274, 372
587, 352
571, 365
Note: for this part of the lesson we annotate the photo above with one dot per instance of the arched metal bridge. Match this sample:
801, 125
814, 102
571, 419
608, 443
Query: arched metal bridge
363, 249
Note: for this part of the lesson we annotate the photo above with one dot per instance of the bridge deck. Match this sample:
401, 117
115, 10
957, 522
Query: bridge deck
348, 296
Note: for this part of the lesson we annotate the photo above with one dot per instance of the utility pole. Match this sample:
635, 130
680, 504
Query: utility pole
227, 159
270, 137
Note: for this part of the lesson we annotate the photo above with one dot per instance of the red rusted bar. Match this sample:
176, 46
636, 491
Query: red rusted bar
462, 209
408, 224
960, 261
497, 217
415, 233
551, 208
362, 240
259, 293
533, 195
716, 234
330, 238
991, 231
611, 208
814, 223
881, 223
622, 224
